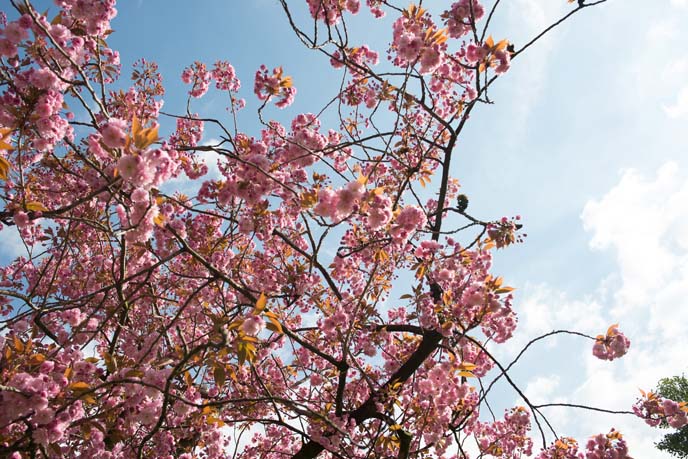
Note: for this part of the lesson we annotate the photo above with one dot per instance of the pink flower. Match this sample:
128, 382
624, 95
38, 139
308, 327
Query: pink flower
327, 203
409, 219
139, 195
7, 48
15, 33
252, 325
459, 17
114, 135
348, 197
197, 75
21, 219
128, 166
225, 77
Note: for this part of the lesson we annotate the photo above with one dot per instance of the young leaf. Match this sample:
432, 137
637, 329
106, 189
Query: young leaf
78, 386
261, 303
5, 168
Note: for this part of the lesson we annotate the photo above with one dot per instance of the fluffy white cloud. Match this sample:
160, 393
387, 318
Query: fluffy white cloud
527, 18
680, 107
12, 245
643, 223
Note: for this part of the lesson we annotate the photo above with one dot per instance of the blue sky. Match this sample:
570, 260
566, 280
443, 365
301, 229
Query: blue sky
586, 140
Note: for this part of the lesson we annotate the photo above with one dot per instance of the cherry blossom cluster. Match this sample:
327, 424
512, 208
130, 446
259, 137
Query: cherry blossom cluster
143, 98
330, 11
612, 345
609, 446
462, 16
222, 73
655, 410
416, 39
504, 232
359, 89
507, 438
94, 15
490, 54
198, 76
225, 77
601, 446
267, 86
562, 448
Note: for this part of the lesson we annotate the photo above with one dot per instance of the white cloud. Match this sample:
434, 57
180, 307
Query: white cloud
527, 18
676, 70
12, 245
658, 46
643, 223
646, 223
679, 3
680, 107
662, 31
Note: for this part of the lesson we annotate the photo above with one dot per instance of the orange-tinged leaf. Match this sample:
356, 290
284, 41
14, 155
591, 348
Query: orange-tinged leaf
110, 362
18, 344
309, 199
92, 359
5, 168
37, 359
439, 37
446, 298
610, 330
159, 220
420, 272
5, 134
490, 41
467, 366
502, 45
220, 375
135, 125
286, 82
261, 303
143, 137
215, 420
274, 325
79, 386
35, 206
614, 435
90, 399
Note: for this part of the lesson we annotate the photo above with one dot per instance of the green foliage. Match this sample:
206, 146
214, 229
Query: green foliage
675, 443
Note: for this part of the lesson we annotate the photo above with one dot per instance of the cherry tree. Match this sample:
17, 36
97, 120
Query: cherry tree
330, 294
